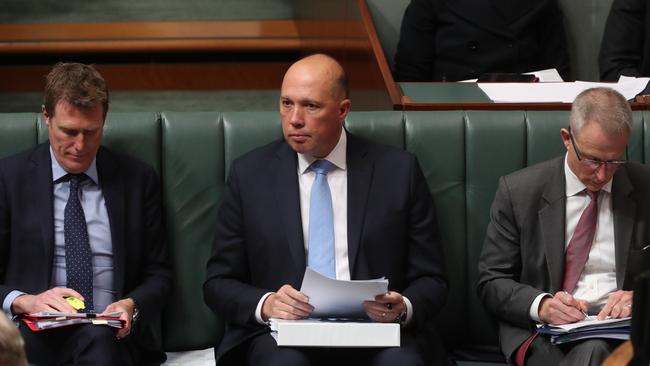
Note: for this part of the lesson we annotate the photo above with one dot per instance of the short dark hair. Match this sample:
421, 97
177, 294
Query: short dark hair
77, 84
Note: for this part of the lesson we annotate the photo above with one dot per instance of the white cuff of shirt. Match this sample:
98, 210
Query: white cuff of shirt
6, 304
409, 311
533, 312
258, 309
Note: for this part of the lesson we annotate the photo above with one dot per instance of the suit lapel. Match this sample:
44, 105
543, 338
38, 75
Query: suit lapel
112, 185
552, 218
359, 180
287, 193
623, 207
41, 187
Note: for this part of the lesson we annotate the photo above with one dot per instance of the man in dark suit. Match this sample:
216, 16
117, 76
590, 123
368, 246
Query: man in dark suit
78, 220
383, 225
625, 48
445, 40
566, 236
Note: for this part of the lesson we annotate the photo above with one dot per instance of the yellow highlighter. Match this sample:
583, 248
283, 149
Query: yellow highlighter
75, 303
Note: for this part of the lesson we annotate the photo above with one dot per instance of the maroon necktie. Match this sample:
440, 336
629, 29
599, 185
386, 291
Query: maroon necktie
578, 250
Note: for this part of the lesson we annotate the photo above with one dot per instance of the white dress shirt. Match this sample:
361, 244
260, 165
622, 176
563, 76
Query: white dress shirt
598, 279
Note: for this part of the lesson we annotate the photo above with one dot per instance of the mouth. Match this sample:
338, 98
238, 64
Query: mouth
76, 157
298, 138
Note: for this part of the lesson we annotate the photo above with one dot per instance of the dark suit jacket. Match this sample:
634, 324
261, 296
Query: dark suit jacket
523, 253
451, 40
625, 49
132, 195
259, 244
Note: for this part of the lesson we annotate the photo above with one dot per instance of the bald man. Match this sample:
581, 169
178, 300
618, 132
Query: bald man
383, 224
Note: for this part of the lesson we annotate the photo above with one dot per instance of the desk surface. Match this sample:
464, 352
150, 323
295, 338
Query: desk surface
467, 96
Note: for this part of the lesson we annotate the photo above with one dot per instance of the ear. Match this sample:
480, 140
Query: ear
566, 138
45, 115
344, 108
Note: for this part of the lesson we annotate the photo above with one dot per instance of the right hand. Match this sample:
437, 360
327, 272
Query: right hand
286, 303
562, 309
50, 300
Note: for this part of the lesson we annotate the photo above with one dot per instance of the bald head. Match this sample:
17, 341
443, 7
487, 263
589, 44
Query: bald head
313, 105
322, 69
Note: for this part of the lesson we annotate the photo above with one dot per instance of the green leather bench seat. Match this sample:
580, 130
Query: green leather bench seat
462, 155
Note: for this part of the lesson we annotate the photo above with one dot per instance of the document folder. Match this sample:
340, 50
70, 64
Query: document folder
336, 333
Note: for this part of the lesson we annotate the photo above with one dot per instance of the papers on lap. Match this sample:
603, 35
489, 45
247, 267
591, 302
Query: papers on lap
50, 320
343, 322
591, 327
339, 299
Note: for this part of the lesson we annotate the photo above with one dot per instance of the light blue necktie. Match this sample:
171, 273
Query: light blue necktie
321, 222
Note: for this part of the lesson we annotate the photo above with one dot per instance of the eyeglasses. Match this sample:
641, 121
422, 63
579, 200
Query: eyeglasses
595, 164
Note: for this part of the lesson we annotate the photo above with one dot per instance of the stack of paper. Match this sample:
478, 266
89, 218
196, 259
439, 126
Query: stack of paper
333, 333
49, 320
342, 320
591, 327
557, 92
337, 298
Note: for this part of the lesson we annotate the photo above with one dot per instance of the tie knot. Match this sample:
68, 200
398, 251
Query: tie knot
321, 166
76, 179
593, 194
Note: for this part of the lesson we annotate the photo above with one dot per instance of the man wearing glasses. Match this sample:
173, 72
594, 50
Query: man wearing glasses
567, 236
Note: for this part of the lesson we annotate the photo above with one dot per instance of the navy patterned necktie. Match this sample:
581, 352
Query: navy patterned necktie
78, 258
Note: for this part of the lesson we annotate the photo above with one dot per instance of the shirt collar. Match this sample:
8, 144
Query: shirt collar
58, 172
336, 156
574, 186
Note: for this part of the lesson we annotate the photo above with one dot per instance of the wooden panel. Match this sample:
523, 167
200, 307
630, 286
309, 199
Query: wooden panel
173, 76
149, 37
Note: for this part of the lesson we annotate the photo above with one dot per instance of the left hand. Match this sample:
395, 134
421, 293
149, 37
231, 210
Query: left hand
619, 305
126, 306
386, 307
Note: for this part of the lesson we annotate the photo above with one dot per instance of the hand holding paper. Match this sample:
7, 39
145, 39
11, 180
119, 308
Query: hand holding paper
286, 303
336, 298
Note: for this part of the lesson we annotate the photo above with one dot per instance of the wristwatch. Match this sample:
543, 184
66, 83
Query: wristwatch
136, 312
401, 317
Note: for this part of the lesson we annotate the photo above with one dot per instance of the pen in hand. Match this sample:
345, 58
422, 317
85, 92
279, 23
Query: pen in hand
578, 307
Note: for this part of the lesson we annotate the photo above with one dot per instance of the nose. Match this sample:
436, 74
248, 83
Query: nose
297, 117
79, 142
601, 172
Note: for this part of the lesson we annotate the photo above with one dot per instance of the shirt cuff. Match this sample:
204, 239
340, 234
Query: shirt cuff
6, 304
409, 311
533, 312
258, 309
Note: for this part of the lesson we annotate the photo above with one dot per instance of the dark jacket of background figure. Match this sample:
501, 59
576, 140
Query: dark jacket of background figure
259, 244
451, 40
625, 49
523, 253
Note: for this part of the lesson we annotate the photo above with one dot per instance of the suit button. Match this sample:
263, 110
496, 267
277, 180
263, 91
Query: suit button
473, 45
509, 45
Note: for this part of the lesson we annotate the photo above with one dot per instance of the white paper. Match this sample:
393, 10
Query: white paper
556, 92
339, 299
547, 76
589, 321
319, 333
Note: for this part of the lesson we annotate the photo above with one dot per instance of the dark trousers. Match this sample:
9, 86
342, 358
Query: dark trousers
591, 352
77, 345
262, 350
